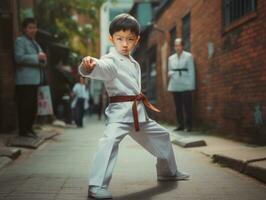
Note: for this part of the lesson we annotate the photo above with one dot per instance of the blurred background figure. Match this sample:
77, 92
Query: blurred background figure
80, 101
181, 72
30, 60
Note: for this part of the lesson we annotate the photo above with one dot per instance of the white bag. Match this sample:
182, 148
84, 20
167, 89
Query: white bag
45, 106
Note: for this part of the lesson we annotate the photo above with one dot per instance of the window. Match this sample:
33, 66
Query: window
114, 12
186, 32
235, 9
6, 24
144, 13
6, 39
172, 40
152, 73
5, 6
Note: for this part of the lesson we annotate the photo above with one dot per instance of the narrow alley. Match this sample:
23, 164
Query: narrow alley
58, 170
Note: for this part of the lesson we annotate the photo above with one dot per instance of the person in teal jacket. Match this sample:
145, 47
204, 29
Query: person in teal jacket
29, 59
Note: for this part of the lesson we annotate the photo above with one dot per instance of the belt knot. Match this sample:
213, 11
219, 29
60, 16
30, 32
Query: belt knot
140, 97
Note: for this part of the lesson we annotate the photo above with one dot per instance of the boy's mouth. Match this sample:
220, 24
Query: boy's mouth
124, 50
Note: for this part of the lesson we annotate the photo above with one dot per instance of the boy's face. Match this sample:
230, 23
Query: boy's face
124, 41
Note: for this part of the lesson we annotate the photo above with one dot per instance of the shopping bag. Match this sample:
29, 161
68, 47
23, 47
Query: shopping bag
45, 106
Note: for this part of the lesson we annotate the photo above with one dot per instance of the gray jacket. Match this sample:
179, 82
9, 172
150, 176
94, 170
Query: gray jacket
28, 65
181, 72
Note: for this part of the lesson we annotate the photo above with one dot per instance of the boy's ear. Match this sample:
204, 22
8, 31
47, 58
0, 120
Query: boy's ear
111, 39
137, 39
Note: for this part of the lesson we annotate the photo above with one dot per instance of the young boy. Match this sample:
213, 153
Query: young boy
126, 112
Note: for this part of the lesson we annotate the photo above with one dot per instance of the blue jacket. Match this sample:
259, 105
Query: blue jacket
28, 65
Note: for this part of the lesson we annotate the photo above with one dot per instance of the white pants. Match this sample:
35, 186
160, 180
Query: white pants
153, 137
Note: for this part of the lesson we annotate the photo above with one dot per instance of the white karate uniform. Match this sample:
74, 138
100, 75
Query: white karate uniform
122, 77
80, 91
181, 81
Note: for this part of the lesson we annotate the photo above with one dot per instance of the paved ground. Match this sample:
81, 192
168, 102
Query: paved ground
58, 170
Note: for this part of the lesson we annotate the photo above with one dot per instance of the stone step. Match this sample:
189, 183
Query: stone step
12, 153
4, 161
188, 142
27, 142
250, 161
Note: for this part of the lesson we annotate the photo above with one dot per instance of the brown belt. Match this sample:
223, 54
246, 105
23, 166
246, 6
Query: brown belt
135, 98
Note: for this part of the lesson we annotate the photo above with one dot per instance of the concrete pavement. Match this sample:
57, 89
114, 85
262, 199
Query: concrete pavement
12, 145
245, 158
58, 170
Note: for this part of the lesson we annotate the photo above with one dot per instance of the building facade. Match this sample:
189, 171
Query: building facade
9, 30
227, 39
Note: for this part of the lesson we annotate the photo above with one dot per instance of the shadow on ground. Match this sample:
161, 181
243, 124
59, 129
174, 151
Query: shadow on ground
147, 194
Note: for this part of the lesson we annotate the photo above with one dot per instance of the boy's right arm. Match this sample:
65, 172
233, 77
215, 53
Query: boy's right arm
101, 69
88, 64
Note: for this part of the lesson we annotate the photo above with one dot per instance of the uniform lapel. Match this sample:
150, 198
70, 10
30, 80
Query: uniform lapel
127, 64
180, 60
138, 72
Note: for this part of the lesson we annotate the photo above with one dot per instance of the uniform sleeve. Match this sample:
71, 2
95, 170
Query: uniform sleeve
20, 54
105, 69
75, 89
170, 71
191, 71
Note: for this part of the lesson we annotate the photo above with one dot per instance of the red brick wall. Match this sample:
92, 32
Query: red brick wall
230, 84
167, 20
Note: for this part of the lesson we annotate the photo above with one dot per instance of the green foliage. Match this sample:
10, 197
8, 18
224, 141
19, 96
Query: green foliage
59, 17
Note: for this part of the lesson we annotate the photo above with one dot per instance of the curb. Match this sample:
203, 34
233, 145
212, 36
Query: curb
255, 168
188, 142
26, 142
8, 153
12, 153
4, 161
235, 164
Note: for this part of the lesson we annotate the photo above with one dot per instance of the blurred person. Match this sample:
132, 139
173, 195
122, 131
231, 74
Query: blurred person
80, 101
181, 72
30, 59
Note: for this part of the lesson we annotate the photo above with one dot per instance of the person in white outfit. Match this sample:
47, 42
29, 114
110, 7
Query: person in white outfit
80, 101
126, 113
181, 72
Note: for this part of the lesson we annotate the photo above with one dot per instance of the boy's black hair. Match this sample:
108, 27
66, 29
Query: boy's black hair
28, 21
124, 22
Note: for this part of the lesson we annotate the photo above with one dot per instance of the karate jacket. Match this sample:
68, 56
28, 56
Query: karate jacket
181, 72
121, 76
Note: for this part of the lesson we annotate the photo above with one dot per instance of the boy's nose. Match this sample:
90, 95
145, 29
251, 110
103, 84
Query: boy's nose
125, 43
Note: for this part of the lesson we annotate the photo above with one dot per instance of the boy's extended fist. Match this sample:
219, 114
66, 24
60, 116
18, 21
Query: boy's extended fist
88, 63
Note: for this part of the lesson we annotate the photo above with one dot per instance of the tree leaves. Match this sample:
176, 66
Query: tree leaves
74, 22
